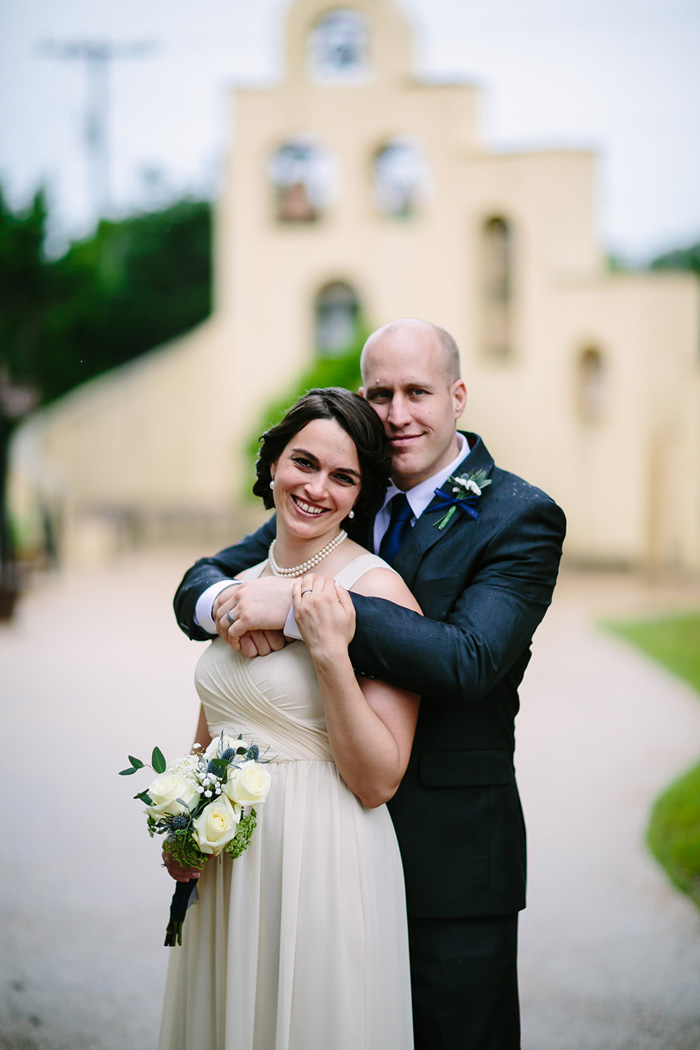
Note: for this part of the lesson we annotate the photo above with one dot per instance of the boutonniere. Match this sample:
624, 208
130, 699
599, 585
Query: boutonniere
465, 492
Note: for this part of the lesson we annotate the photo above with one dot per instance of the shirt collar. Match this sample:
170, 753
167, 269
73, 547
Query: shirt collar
421, 494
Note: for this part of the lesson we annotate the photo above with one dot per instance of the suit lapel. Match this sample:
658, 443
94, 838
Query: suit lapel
425, 533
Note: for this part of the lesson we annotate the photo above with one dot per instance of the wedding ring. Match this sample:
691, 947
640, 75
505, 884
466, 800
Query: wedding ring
307, 591
231, 619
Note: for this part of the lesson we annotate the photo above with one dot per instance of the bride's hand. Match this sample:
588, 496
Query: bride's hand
324, 613
178, 873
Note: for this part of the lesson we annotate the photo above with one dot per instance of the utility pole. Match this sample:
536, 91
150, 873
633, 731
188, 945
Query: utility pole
97, 54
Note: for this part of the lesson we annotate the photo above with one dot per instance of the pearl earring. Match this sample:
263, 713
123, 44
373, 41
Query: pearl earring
351, 514
272, 483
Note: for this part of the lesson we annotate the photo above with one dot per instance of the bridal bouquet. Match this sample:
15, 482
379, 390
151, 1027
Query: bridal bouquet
203, 805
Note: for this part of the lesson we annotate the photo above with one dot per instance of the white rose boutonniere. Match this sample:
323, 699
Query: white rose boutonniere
464, 494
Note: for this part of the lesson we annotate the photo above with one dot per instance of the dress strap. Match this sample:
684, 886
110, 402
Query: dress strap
352, 572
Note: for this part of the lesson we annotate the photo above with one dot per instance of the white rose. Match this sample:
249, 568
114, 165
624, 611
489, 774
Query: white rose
216, 825
248, 783
165, 791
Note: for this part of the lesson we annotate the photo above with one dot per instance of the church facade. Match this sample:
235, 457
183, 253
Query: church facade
356, 194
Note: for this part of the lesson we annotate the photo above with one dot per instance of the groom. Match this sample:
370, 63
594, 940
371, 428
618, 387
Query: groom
482, 564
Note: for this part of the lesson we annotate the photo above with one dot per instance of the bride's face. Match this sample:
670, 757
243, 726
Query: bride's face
317, 480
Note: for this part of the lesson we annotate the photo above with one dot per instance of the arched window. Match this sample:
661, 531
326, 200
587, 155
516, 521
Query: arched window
399, 178
337, 49
337, 315
498, 287
591, 385
304, 180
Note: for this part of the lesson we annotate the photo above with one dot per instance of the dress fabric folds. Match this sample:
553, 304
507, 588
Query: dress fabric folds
300, 943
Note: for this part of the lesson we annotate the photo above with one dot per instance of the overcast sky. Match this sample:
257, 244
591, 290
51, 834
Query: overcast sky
619, 76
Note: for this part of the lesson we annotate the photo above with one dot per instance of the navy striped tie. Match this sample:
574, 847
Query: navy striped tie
399, 528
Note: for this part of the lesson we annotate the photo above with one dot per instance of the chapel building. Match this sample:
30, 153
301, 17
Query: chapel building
356, 194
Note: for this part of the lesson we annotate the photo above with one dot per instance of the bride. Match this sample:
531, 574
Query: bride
300, 943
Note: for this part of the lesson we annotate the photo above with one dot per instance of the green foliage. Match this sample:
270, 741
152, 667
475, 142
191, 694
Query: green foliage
181, 845
241, 840
679, 259
674, 828
129, 287
674, 832
341, 370
135, 765
158, 761
24, 287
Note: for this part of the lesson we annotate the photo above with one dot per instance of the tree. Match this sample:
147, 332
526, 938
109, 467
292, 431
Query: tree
23, 300
679, 259
129, 287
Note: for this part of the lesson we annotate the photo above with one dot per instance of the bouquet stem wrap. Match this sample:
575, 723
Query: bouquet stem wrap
178, 910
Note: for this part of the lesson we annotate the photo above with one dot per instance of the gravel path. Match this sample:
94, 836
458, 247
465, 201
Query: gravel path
610, 954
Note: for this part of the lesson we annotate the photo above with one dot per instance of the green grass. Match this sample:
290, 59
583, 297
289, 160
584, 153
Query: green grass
673, 834
673, 641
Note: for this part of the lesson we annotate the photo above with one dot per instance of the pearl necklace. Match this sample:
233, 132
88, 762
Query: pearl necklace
299, 570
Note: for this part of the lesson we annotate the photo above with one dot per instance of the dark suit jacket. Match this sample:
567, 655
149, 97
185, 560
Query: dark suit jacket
484, 586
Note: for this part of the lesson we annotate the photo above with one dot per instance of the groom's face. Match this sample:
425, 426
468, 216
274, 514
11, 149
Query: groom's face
406, 382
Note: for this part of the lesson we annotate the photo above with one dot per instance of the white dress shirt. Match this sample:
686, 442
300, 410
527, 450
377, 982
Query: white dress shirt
420, 496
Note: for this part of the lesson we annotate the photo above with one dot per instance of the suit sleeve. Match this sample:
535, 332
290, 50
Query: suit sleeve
488, 628
221, 566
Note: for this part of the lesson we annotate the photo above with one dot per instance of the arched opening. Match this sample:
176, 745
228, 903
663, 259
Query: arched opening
591, 385
337, 316
399, 178
304, 178
497, 252
338, 48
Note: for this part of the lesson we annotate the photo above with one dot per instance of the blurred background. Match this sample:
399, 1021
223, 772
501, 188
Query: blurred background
204, 209
208, 209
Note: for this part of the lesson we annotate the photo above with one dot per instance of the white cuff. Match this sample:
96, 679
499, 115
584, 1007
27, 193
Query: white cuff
205, 602
290, 626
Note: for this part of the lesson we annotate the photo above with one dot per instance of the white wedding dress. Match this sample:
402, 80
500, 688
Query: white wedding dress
300, 943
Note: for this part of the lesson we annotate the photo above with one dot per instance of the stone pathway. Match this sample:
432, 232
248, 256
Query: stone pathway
94, 668
610, 952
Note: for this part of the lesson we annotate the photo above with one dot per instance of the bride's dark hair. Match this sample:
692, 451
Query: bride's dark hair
358, 420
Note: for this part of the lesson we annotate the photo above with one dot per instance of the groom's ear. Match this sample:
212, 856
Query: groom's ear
361, 391
459, 397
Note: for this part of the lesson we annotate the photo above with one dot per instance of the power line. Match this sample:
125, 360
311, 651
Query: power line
97, 54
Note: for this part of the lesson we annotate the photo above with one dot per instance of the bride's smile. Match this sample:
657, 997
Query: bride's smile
316, 483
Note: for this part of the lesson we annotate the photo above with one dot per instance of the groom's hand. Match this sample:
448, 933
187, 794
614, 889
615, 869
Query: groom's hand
250, 616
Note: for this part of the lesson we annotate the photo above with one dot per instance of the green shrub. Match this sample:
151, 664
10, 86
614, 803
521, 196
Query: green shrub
674, 832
